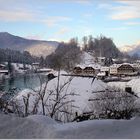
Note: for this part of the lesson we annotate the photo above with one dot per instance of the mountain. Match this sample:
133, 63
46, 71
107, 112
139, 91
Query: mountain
131, 49
35, 47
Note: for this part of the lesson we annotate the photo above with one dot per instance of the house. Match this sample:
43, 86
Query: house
101, 75
3, 71
35, 66
3, 74
105, 70
78, 70
89, 70
136, 66
126, 69
113, 69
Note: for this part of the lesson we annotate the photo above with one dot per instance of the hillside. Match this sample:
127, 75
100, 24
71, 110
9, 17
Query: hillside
35, 47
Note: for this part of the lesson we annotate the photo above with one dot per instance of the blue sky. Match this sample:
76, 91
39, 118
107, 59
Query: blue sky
63, 19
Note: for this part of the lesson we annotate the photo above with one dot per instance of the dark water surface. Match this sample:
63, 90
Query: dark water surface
22, 81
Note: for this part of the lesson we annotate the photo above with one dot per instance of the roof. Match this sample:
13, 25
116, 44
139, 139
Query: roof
101, 74
95, 66
2, 65
118, 65
3, 71
104, 68
35, 63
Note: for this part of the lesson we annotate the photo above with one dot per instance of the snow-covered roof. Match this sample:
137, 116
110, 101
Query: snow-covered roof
95, 66
118, 65
2, 65
35, 63
101, 74
44, 69
3, 71
104, 68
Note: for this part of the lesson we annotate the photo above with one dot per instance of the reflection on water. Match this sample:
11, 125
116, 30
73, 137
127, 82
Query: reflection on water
22, 81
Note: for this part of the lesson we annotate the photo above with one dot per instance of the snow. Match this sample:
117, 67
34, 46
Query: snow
118, 85
14, 127
19, 65
87, 58
3, 71
101, 74
38, 126
44, 70
134, 84
82, 87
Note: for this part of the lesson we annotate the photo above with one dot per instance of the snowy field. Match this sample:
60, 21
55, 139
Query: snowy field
38, 126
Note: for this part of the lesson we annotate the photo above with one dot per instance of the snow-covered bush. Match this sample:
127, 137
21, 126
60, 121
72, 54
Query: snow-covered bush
113, 104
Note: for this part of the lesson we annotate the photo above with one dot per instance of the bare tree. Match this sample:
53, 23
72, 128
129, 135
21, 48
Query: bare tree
55, 103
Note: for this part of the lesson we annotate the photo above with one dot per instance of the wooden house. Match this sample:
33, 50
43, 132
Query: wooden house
89, 70
125, 69
77, 70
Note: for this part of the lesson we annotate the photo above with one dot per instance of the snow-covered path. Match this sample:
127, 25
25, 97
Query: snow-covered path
38, 126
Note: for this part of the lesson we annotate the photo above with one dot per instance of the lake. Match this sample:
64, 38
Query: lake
22, 81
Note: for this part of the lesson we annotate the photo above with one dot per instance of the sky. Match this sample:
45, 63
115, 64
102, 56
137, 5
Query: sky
61, 20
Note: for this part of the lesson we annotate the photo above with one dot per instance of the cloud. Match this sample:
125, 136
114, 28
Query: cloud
51, 21
60, 33
16, 15
117, 28
16, 10
132, 23
88, 15
83, 1
127, 10
104, 6
121, 9
35, 37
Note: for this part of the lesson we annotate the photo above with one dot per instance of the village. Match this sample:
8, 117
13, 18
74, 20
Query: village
89, 68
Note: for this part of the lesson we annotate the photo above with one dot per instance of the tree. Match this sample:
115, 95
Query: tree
103, 47
9, 65
85, 43
65, 56
108, 61
42, 61
54, 103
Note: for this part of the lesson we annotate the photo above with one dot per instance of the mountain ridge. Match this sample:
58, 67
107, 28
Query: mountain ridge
35, 47
131, 49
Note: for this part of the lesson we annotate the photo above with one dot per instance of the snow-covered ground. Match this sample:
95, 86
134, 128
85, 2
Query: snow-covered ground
81, 88
134, 84
38, 126
87, 59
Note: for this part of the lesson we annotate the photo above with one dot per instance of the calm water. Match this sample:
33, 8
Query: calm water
22, 82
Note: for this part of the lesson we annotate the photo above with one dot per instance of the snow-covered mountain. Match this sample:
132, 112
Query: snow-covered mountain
35, 47
131, 49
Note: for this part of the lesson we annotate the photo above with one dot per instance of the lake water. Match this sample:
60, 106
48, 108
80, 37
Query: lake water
22, 82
